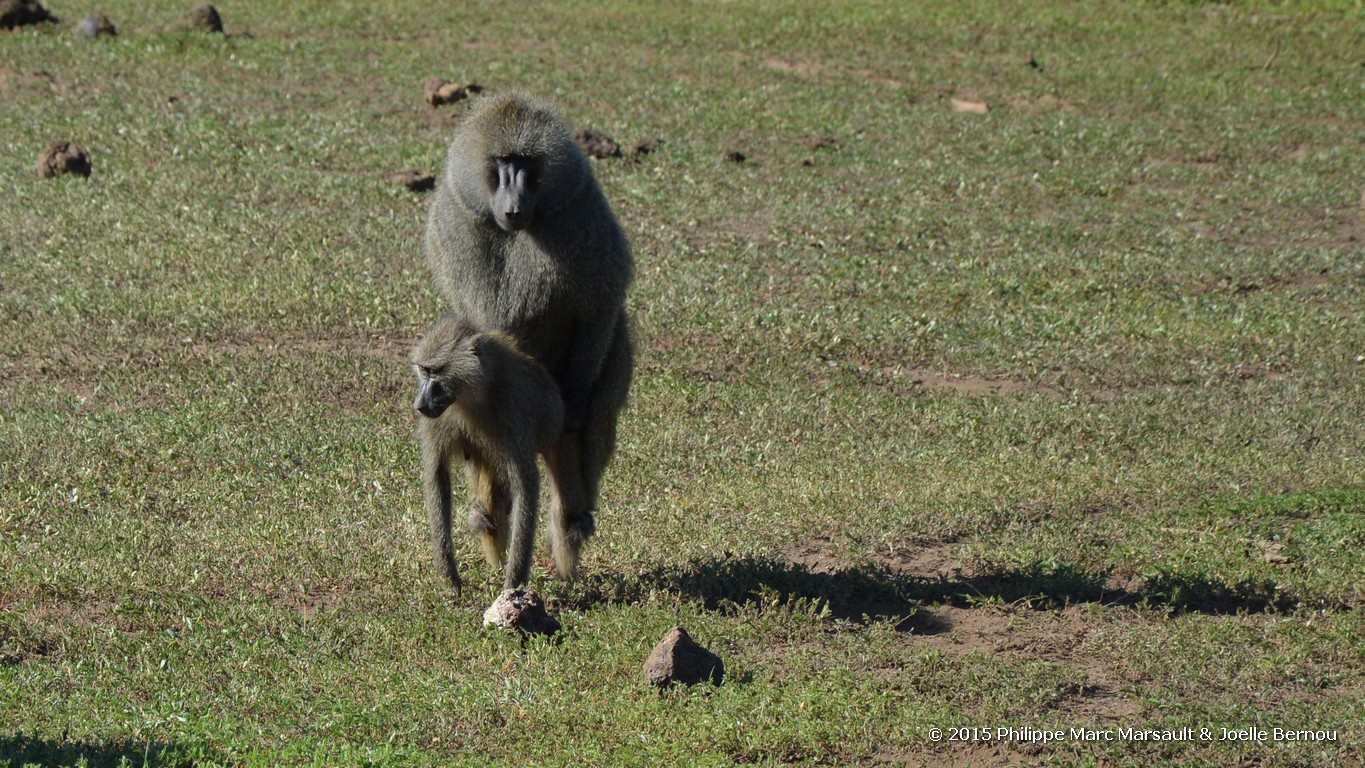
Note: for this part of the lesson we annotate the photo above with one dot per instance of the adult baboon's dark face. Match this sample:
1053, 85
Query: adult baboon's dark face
514, 185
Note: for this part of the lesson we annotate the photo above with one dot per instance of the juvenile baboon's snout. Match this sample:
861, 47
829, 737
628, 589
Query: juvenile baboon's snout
432, 399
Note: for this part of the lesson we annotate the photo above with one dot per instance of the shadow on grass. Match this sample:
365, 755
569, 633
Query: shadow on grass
21, 750
877, 592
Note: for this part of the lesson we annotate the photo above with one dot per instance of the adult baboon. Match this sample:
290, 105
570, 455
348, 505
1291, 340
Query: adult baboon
482, 400
519, 238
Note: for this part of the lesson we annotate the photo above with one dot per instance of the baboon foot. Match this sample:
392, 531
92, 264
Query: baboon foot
490, 540
580, 527
567, 544
480, 521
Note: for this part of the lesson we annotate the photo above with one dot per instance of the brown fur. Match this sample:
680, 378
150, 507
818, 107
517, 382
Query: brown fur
482, 401
554, 280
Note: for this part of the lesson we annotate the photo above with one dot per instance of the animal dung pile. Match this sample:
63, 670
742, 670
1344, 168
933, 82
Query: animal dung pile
413, 179
205, 18
820, 142
436, 91
63, 157
94, 25
601, 146
644, 147
597, 144
18, 13
679, 659
521, 610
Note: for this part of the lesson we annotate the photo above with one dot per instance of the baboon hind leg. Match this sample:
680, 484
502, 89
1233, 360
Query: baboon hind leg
570, 505
604, 410
489, 508
584, 455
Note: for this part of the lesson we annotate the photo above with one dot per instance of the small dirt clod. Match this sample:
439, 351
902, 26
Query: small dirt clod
62, 157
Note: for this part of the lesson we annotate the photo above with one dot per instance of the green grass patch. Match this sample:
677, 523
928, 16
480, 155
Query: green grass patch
1047, 417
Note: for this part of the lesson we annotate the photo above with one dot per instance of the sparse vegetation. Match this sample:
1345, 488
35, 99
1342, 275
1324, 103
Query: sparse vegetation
1044, 417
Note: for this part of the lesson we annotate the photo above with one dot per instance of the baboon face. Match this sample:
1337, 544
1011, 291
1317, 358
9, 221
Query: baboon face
513, 181
433, 397
514, 160
448, 362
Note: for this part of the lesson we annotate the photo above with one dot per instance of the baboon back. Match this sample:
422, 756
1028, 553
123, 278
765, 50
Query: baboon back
556, 286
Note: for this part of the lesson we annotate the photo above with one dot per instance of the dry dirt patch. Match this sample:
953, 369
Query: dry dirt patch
1294, 282
817, 70
965, 756
973, 385
1010, 631
349, 388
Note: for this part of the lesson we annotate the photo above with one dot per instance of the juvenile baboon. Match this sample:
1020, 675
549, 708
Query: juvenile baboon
519, 238
484, 402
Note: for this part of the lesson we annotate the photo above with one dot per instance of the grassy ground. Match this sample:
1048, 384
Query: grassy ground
1044, 418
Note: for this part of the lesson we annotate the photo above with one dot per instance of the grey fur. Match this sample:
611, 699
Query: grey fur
554, 279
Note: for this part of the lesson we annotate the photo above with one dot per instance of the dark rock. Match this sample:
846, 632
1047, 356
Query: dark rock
18, 13
521, 610
678, 659
63, 157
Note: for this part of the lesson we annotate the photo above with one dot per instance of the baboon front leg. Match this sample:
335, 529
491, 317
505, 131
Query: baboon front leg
488, 509
524, 489
438, 502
